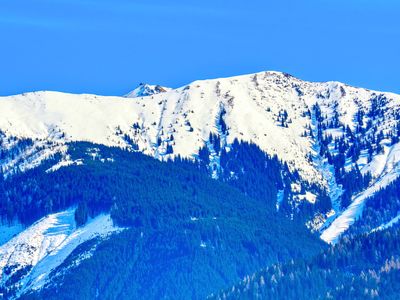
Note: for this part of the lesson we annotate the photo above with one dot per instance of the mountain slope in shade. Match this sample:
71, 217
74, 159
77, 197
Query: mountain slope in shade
364, 267
187, 234
273, 110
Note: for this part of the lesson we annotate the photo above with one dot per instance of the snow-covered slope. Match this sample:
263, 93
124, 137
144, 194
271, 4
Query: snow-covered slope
271, 109
252, 104
385, 172
42, 247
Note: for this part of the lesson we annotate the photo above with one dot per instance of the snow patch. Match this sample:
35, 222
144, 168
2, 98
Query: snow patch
388, 224
65, 163
279, 198
354, 211
310, 197
388, 166
46, 244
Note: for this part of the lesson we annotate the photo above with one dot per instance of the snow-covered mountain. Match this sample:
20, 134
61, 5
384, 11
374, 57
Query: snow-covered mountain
283, 115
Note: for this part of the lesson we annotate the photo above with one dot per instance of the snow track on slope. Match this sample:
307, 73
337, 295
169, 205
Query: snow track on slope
390, 171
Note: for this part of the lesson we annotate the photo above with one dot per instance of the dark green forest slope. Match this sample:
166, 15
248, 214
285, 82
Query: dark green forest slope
186, 235
366, 266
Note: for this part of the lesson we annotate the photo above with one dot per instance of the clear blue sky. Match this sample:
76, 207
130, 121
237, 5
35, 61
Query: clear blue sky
108, 47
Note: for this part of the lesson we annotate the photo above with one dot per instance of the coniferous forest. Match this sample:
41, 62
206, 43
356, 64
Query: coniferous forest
186, 235
366, 266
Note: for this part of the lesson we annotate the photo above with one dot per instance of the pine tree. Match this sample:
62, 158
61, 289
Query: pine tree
81, 214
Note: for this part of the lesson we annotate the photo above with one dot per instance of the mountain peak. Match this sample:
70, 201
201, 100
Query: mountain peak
145, 89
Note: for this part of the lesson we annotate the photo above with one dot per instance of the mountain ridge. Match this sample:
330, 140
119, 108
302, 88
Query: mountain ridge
274, 110
323, 155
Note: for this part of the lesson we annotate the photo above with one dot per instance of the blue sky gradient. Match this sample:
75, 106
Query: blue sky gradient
108, 47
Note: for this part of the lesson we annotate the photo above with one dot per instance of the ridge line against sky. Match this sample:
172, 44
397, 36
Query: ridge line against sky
108, 47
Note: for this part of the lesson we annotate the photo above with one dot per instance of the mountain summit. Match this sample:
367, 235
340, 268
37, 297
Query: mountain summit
145, 89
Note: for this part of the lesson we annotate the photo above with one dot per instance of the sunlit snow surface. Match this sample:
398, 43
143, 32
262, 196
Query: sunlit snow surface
252, 104
46, 244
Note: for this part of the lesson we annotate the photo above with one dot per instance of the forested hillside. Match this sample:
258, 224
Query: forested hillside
186, 235
362, 267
